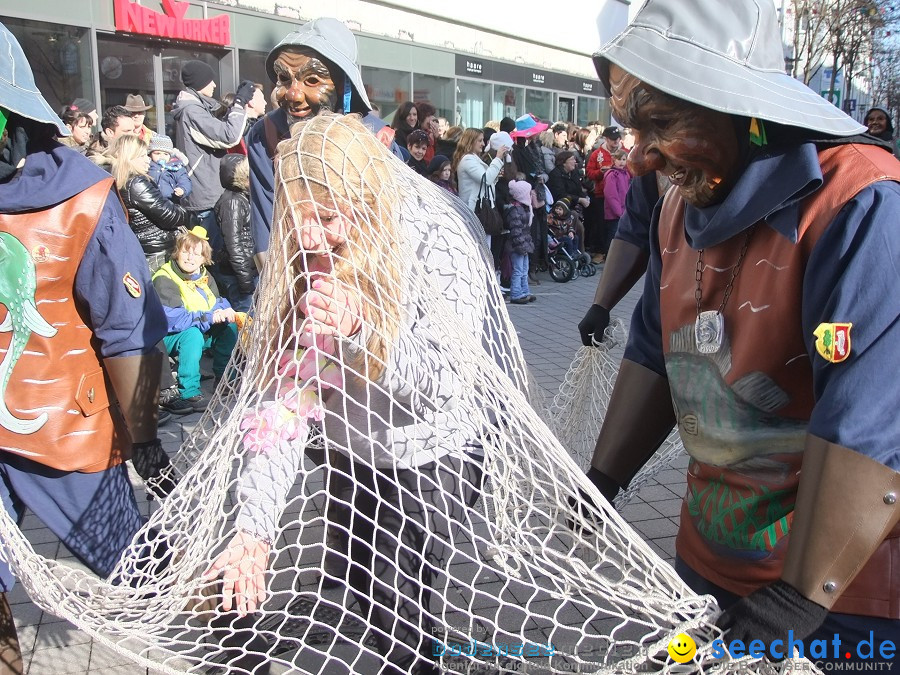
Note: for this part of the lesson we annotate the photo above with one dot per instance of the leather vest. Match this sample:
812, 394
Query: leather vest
743, 411
56, 404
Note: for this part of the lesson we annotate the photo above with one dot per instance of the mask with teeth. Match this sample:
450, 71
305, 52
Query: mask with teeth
307, 83
697, 148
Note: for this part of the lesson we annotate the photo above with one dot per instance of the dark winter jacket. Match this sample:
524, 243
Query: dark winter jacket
233, 214
564, 184
518, 220
153, 218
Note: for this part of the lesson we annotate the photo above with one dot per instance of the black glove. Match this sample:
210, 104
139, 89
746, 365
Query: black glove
244, 93
594, 323
607, 486
153, 465
768, 614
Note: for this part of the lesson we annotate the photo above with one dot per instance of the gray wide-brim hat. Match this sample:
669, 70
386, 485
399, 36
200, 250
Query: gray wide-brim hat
333, 40
726, 56
18, 92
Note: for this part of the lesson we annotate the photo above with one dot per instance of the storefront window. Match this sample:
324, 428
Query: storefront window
60, 58
438, 91
126, 68
565, 108
588, 110
386, 88
540, 104
509, 102
252, 66
473, 104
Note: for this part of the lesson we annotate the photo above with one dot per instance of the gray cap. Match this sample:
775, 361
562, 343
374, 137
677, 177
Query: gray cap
18, 92
725, 56
333, 40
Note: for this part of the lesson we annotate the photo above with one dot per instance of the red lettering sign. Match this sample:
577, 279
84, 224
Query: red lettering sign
134, 18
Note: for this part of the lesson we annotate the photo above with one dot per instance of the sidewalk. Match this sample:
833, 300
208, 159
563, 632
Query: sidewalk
548, 334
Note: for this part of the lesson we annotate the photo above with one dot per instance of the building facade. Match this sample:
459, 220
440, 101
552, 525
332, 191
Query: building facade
106, 49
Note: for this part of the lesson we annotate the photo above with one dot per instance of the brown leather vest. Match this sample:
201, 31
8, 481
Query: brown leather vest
742, 412
60, 377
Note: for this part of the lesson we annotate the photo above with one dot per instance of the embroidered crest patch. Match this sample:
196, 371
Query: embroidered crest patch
833, 341
40, 253
132, 285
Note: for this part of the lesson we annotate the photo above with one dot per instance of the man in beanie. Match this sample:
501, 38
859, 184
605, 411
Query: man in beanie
205, 139
314, 70
84, 317
769, 313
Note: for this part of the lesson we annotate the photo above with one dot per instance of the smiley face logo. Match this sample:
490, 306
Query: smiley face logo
682, 648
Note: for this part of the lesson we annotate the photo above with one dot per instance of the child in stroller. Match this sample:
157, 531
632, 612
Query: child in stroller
565, 260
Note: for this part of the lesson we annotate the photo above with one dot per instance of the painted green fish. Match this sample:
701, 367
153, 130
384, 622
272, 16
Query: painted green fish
17, 286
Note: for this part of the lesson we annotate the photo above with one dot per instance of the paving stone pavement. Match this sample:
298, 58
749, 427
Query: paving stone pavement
548, 334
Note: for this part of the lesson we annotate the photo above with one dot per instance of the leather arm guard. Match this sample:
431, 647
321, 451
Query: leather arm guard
847, 503
639, 417
625, 264
135, 381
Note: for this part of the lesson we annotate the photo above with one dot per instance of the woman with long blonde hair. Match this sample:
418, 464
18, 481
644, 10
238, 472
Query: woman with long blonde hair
154, 219
371, 268
470, 169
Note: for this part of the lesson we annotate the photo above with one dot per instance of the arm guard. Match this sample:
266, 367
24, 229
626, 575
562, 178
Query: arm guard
847, 503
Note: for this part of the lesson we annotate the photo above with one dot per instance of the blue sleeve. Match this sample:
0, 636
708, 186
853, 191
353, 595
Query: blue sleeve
645, 335
179, 319
262, 188
123, 325
853, 276
634, 225
183, 181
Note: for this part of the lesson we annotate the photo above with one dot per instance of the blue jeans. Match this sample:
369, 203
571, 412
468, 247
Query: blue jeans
518, 282
208, 220
228, 286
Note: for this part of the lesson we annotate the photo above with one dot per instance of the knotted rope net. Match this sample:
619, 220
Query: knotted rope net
579, 407
369, 490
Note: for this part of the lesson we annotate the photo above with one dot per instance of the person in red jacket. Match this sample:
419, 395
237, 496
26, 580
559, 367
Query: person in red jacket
598, 164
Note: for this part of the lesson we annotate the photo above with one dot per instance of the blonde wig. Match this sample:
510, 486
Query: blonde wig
332, 166
125, 152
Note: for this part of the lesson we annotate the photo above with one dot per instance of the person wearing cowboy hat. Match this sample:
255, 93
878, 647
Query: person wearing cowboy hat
134, 103
313, 69
84, 317
769, 312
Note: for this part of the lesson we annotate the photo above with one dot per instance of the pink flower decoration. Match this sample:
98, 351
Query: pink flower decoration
300, 374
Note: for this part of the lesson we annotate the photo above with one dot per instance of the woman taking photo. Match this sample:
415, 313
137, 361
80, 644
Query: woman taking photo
406, 119
470, 169
153, 218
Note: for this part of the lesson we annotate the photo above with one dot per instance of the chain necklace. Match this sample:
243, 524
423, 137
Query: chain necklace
709, 328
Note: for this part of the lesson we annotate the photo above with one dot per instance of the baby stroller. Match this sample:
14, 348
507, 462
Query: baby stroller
564, 266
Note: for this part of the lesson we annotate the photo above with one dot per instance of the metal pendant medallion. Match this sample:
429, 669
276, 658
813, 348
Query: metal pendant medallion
709, 332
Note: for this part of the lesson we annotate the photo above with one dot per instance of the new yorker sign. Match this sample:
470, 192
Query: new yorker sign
134, 18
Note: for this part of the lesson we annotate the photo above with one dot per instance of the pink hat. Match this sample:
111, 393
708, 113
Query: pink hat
527, 126
520, 190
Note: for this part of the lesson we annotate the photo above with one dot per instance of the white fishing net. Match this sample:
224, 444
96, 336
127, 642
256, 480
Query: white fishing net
579, 407
385, 499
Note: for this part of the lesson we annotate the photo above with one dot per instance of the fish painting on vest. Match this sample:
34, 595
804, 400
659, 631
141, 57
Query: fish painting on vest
17, 287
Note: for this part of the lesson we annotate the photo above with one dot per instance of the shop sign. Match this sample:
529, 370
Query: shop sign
474, 67
134, 18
